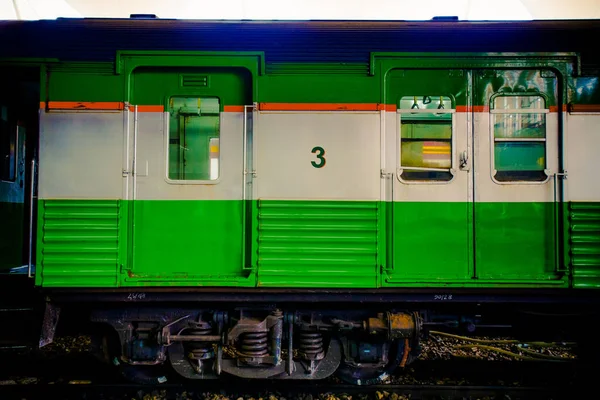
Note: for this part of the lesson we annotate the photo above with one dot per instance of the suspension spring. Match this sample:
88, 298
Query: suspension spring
199, 350
311, 345
253, 344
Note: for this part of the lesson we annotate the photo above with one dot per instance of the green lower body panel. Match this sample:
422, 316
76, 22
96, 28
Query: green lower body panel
318, 244
431, 242
485, 244
183, 242
11, 236
515, 241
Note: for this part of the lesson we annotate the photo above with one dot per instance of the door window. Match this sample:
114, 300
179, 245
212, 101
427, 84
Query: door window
519, 138
425, 138
194, 130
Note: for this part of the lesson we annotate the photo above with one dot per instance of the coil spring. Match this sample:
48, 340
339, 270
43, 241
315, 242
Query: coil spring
198, 350
254, 344
311, 344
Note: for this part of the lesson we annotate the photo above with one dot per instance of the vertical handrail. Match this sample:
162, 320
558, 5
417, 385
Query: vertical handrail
382, 155
131, 216
134, 165
31, 190
126, 171
557, 223
245, 173
244, 156
386, 193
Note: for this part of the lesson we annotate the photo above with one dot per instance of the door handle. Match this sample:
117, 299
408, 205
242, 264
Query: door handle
464, 161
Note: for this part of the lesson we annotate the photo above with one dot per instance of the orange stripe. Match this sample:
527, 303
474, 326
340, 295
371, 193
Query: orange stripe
148, 108
350, 107
584, 107
108, 105
321, 106
233, 108
472, 108
96, 105
555, 108
82, 105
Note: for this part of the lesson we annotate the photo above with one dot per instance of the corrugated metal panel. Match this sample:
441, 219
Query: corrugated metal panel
290, 41
584, 235
330, 243
79, 244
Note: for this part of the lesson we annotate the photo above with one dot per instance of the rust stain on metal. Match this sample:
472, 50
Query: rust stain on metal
376, 325
401, 322
405, 355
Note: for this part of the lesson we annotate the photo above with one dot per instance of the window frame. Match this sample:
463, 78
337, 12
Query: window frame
493, 140
166, 134
400, 168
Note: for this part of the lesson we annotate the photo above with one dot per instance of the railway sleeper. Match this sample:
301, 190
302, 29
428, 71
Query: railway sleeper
261, 343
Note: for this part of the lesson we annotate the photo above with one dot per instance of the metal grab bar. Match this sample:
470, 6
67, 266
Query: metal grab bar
557, 223
247, 176
134, 164
31, 190
244, 150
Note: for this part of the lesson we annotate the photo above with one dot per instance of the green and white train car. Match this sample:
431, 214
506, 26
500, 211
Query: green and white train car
411, 168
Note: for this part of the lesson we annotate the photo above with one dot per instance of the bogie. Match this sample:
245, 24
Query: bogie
263, 344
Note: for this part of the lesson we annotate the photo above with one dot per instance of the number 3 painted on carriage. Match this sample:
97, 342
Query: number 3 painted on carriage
320, 152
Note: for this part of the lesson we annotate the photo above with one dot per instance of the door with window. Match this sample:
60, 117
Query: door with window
431, 209
186, 140
516, 150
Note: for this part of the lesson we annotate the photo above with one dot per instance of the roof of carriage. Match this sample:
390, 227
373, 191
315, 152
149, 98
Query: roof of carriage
91, 39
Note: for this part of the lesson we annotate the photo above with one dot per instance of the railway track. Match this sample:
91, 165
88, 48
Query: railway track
68, 370
277, 391
78, 377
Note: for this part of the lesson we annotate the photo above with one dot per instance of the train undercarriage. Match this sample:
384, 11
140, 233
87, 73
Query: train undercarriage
361, 347
361, 337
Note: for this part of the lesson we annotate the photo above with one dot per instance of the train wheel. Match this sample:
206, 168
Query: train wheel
106, 348
401, 354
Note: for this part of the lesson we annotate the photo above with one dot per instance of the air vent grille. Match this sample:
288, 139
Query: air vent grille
194, 80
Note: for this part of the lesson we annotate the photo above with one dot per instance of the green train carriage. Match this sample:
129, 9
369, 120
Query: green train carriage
265, 178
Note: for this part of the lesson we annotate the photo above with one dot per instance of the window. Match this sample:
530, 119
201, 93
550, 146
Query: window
8, 148
194, 127
519, 129
425, 138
